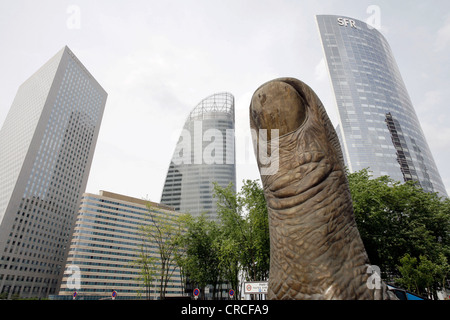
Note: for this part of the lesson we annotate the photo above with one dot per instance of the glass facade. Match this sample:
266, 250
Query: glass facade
378, 127
106, 242
46, 147
204, 154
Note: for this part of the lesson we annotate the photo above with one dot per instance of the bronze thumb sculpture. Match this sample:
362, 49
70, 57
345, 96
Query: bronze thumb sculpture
316, 250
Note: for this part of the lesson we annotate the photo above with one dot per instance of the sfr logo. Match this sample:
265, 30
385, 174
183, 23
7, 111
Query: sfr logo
346, 22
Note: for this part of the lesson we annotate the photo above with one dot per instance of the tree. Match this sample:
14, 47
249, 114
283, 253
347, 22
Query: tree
180, 254
163, 231
218, 252
409, 273
254, 202
147, 266
201, 260
422, 275
406, 232
404, 229
244, 220
228, 255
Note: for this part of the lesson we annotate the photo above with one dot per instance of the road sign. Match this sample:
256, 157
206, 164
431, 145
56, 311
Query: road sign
231, 293
114, 294
256, 287
196, 292
74, 295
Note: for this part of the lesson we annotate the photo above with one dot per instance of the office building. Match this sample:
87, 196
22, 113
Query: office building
378, 125
47, 144
204, 154
106, 244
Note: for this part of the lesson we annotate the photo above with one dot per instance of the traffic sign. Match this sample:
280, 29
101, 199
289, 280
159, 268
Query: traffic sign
114, 294
196, 292
231, 293
74, 295
256, 287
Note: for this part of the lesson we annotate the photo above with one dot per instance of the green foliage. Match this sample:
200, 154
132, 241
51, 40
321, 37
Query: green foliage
244, 219
405, 230
147, 268
217, 252
163, 231
253, 201
422, 275
210, 256
201, 258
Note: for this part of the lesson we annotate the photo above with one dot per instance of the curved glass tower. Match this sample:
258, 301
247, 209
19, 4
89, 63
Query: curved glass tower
378, 126
204, 154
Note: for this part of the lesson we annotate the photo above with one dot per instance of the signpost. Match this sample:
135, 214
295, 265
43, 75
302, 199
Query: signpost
256, 287
74, 296
114, 294
231, 293
196, 293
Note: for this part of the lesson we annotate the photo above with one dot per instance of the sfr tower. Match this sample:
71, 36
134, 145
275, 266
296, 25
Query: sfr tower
378, 126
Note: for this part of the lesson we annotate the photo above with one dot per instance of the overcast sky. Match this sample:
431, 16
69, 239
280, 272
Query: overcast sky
158, 59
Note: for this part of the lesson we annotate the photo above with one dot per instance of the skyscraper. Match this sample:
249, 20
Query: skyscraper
204, 154
378, 125
47, 144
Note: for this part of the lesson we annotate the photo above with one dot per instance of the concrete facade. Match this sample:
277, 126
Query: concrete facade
106, 243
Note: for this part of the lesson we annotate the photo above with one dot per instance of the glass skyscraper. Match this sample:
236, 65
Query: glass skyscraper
47, 144
378, 127
204, 154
